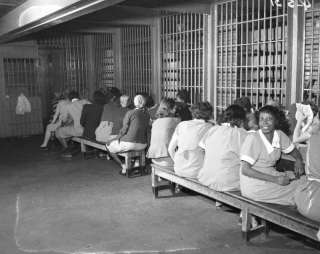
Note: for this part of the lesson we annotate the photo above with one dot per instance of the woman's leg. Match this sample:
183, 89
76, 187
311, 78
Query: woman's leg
61, 137
116, 147
50, 128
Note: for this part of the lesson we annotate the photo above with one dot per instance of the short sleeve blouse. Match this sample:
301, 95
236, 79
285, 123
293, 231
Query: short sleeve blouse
263, 155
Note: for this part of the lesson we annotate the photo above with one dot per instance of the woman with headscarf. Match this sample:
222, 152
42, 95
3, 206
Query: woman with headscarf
134, 133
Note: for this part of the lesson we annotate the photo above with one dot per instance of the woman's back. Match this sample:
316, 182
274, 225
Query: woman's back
188, 159
313, 160
161, 133
221, 166
90, 119
135, 126
114, 113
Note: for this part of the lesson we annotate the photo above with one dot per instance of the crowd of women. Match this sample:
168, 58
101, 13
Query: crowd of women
238, 152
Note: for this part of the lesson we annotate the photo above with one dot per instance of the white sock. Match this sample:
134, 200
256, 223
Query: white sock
124, 168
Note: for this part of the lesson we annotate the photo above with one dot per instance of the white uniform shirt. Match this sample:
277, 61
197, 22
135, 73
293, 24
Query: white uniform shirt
188, 158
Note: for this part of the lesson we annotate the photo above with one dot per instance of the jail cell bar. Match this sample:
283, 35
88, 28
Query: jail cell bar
182, 54
251, 52
136, 59
311, 83
104, 60
74, 67
21, 76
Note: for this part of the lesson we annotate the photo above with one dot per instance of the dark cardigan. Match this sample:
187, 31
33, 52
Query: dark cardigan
135, 127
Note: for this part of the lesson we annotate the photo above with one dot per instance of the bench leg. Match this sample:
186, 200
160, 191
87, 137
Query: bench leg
266, 228
142, 163
127, 161
246, 224
83, 147
154, 183
172, 187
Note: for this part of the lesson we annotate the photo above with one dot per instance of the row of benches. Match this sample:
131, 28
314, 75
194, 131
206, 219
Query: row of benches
284, 216
130, 157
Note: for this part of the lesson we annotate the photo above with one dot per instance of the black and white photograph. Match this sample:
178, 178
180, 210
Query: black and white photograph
159, 126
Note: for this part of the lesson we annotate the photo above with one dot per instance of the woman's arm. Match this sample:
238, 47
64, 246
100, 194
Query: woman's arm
83, 117
173, 144
56, 113
125, 125
299, 137
298, 165
248, 171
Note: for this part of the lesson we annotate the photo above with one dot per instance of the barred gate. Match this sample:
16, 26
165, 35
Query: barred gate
104, 62
73, 65
310, 88
183, 54
21, 76
136, 59
251, 51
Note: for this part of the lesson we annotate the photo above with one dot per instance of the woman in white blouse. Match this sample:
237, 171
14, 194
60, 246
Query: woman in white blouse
184, 146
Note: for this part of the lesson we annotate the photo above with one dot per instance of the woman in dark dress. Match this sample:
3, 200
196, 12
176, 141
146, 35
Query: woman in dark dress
91, 115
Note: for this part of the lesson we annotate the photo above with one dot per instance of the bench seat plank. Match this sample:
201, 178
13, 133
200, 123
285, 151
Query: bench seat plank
284, 216
89, 142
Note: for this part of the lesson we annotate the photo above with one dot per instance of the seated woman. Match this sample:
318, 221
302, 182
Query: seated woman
312, 137
184, 146
182, 108
125, 102
59, 104
111, 118
161, 133
251, 124
91, 115
134, 133
260, 151
222, 144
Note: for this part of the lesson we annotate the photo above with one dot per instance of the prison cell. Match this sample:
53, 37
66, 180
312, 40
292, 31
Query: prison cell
73, 60
183, 47
251, 52
104, 60
136, 59
311, 83
21, 76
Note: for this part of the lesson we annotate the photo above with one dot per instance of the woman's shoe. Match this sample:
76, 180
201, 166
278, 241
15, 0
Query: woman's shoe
44, 148
121, 173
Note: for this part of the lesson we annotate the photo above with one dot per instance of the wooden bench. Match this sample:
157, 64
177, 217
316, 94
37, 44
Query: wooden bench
284, 216
129, 156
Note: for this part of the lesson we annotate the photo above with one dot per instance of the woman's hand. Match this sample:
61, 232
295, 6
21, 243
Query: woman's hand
298, 168
300, 116
282, 180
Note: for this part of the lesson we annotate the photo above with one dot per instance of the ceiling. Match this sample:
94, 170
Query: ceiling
86, 15
8, 5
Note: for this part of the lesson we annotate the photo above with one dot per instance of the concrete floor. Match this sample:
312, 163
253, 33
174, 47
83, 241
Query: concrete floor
50, 205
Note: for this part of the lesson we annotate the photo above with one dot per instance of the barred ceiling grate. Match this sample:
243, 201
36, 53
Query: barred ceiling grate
183, 47
251, 52
136, 59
